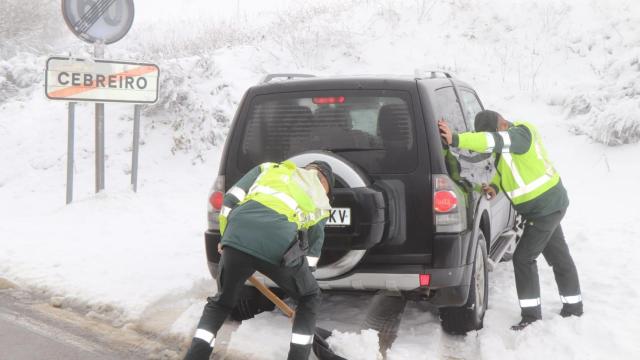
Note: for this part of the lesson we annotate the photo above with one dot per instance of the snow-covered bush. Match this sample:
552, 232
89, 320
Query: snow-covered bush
28, 25
196, 121
18, 75
306, 34
196, 37
610, 113
608, 110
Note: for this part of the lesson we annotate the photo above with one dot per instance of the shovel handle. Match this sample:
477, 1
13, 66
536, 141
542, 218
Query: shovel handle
271, 296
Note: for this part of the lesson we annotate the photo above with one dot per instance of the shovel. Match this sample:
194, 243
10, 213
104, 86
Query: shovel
320, 346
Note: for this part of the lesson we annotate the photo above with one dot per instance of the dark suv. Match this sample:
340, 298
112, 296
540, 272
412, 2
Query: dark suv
406, 216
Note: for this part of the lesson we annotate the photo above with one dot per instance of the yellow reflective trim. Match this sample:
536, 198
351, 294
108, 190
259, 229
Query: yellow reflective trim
531, 187
514, 170
286, 199
491, 142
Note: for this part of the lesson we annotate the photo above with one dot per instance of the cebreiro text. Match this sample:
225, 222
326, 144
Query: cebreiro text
102, 81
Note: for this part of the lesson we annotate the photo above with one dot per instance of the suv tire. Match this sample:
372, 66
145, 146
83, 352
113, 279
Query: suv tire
460, 320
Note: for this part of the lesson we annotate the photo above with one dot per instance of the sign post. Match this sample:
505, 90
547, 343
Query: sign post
98, 53
135, 147
70, 151
100, 22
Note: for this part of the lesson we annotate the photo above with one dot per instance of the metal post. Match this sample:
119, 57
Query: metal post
136, 147
99, 54
70, 142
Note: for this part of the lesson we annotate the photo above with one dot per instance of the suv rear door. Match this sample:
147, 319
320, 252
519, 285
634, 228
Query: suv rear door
500, 206
378, 130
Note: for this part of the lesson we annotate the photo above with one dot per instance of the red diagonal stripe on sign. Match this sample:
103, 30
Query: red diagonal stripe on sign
77, 89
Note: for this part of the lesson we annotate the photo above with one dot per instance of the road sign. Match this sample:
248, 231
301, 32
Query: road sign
98, 21
101, 80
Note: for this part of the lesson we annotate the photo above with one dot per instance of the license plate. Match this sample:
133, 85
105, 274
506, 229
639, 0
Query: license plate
339, 217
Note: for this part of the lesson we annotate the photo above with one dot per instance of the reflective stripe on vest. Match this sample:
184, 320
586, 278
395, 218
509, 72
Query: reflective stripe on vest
491, 143
523, 188
506, 141
289, 201
286, 199
276, 189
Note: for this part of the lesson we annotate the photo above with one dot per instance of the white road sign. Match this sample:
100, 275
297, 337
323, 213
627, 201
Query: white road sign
101, 81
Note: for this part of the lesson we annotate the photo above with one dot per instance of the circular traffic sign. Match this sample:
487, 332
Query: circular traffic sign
105, 21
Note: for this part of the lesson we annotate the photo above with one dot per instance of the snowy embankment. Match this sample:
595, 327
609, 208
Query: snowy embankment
138, 258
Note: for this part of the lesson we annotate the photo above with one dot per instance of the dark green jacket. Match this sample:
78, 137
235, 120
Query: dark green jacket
259, 231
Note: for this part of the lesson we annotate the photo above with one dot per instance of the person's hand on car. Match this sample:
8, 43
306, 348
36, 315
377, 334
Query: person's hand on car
489, 191
445, 132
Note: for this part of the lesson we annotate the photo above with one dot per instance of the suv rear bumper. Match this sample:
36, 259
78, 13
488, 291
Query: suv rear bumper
448, 286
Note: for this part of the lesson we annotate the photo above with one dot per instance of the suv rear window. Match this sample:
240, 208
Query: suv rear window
374, 129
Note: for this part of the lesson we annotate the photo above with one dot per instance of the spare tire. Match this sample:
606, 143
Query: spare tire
345, 246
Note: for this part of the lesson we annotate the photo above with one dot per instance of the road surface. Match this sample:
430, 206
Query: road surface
32, 329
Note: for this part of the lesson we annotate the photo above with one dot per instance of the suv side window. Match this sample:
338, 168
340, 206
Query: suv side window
483, 169
449, 109
470, 105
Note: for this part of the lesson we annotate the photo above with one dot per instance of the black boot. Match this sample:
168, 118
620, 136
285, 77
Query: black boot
526, 321
199, 350
571, 310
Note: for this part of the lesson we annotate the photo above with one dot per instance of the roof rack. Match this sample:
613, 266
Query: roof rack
291, 76
421, 74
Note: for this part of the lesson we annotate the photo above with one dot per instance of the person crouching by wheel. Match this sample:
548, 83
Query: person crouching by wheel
272, 221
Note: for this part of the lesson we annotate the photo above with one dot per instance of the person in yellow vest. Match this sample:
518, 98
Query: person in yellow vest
527, 177
272, 221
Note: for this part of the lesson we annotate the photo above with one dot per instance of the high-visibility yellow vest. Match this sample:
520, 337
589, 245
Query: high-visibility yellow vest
523, 177
279, 188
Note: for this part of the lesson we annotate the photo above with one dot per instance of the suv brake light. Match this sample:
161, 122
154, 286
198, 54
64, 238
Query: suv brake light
216, 199
328, 100
448, 205
444, 201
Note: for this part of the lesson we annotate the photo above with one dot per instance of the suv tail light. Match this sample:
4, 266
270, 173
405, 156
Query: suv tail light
449, 208
216, 198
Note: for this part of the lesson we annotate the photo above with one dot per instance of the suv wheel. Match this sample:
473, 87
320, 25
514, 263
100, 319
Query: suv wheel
460, 320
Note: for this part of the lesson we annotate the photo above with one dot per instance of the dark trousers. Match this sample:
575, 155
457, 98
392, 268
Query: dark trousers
297, 281
543, 235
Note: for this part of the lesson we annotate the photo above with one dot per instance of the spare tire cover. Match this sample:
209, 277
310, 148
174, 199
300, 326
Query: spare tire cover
354, 178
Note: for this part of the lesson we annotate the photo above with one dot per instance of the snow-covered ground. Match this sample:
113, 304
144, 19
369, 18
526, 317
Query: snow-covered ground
138, 257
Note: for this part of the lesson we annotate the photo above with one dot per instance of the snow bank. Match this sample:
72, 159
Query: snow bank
610, 112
